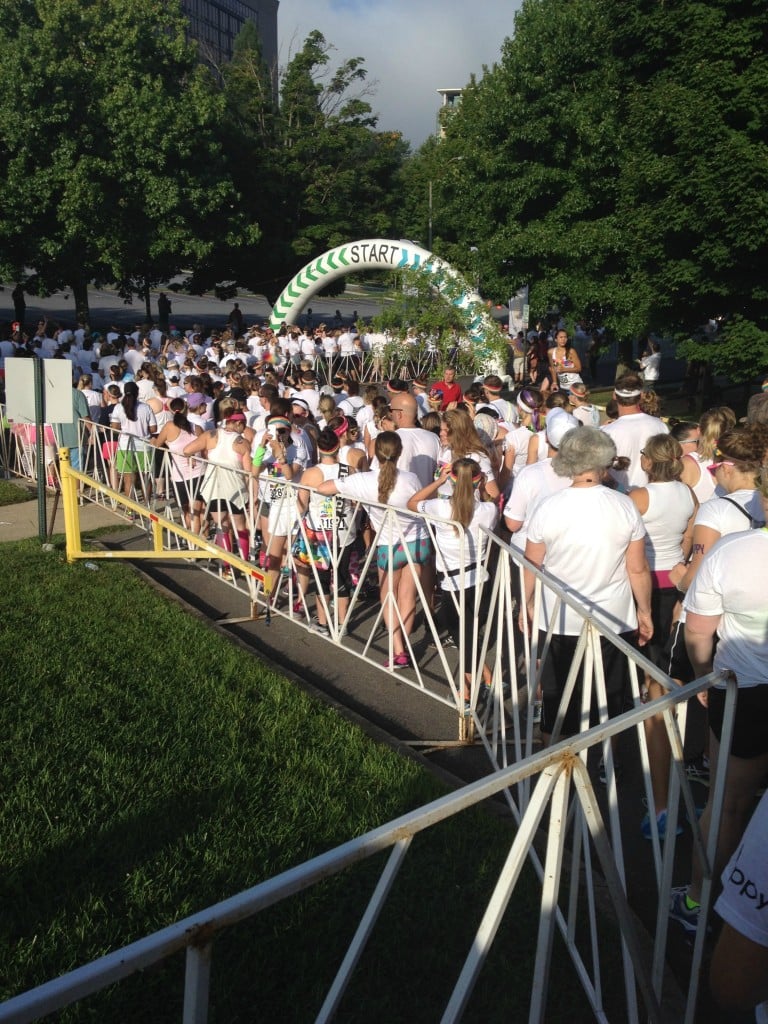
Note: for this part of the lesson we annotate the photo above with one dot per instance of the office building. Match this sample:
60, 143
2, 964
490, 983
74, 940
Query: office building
215, 24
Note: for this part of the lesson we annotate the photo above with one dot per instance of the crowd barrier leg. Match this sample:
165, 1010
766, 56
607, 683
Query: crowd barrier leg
71, 508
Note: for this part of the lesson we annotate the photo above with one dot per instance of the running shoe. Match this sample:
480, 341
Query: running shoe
602, 774
661, 822
443, 641
697, 769
681, 911
401, 660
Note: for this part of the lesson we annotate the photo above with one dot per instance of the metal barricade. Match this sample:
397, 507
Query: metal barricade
507, 641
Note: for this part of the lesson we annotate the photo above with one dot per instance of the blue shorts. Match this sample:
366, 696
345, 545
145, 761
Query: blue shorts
420, 551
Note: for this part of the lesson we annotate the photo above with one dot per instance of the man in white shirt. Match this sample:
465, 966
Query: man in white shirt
631, 430
133, 356
308, 391
421, 448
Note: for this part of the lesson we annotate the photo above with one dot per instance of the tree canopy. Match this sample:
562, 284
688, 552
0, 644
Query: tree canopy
313, 170
113, 167
615, 159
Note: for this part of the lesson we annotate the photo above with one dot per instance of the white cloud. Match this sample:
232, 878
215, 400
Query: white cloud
411, 48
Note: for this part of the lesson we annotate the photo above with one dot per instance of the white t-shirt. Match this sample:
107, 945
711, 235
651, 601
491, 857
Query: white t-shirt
722, 515
311, 397
588, 415
629, 433
453, 550
743, 903
350, 406
363, 416
704, 488
729, 583
586, 532
421, 450
507, 411
364, 487
651, 367
532, 484
133, 432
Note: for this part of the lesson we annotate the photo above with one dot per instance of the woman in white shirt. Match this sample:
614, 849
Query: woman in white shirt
458, 440
728, 599
460, 554
136, 423
591, 539
650, 364
668, 508
329, 529
531, 419
398, 573
695, 474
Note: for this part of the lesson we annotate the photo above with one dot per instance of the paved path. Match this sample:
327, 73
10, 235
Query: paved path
21, 521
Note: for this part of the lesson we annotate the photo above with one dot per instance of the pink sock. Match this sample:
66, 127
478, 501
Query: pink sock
223, 540
243, 544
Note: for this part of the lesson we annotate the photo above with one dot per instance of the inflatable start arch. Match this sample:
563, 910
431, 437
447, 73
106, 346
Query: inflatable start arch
380, 254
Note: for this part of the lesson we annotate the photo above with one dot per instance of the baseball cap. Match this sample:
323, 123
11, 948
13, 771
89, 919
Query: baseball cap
557, 425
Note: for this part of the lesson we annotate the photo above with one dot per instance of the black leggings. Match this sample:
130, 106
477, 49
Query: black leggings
449, 622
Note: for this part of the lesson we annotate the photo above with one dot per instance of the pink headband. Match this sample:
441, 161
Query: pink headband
342, 428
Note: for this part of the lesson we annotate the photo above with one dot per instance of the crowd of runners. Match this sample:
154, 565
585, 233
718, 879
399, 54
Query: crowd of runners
657, 525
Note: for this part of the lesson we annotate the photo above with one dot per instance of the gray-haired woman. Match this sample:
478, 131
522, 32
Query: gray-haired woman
591, 539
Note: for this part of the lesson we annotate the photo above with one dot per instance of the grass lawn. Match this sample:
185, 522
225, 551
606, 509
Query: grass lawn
150, 768
14, 494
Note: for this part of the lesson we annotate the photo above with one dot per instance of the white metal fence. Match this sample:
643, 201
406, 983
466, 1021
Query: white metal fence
504, 726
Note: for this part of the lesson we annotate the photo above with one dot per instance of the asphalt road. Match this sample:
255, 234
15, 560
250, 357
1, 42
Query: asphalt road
107, 308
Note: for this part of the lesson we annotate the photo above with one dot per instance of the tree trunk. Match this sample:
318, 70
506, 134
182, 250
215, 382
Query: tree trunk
146, 302
624, 358
80, 295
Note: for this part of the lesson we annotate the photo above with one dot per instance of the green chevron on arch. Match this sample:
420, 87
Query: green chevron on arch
377, 254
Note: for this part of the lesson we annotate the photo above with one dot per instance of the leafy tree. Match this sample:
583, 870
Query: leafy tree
693, 186
532, 153
250, 132
615, 159
416, 303
318, 173
113, 169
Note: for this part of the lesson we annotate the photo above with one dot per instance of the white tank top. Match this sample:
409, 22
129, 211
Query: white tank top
670, 506
704, 488
329, 512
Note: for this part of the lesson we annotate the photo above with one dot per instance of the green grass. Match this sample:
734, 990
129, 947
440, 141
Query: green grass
14, 494
150, 768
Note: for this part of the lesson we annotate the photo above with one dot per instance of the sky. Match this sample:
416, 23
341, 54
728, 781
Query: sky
411, 48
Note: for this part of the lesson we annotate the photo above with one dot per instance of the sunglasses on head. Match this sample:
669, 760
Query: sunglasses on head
716, 465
